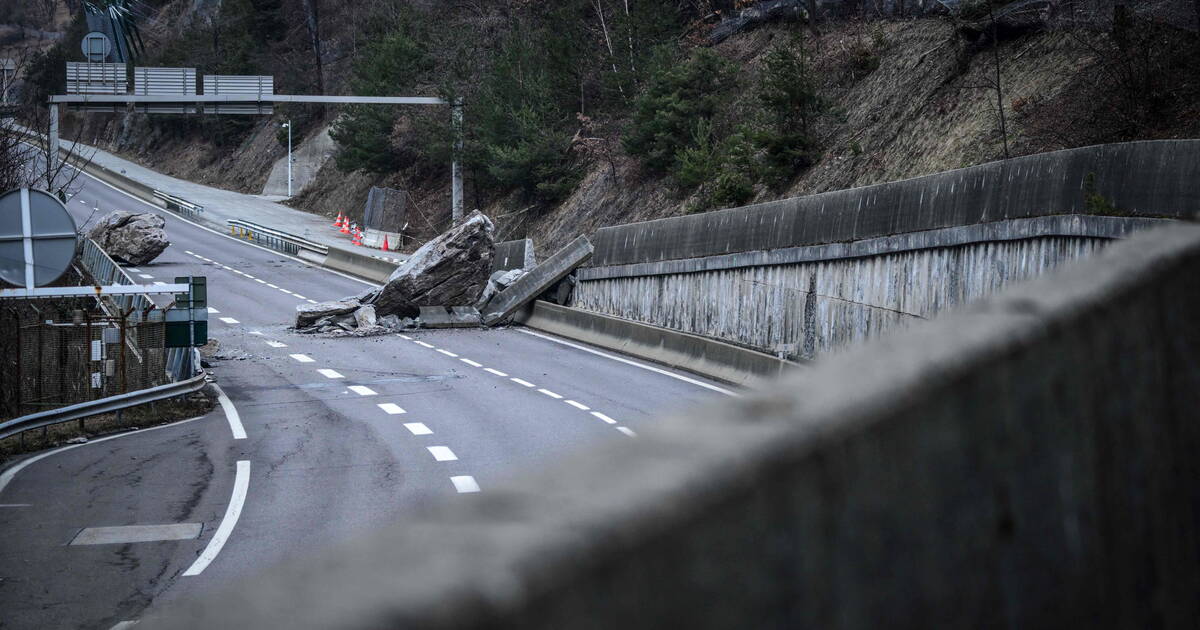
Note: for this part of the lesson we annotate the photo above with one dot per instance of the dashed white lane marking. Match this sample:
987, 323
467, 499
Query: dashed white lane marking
363, 390
229, 320
300, 296
422, 343
256, 332
145, 275
577, 405
286, 291
627, 431
418, 428
127, 534
464, 484
391, 408
633, 363
189, 252
496, 372
471, 363
550, 394
124, 625
310, 301
442, 453
328, 373
272, 286
276, 344
303, 358
135, 270
241, 483
604, 417
406, 337
521, 382
213, 310
447, 353
231, 414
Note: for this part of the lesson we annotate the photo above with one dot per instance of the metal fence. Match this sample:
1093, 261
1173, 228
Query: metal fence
71, 350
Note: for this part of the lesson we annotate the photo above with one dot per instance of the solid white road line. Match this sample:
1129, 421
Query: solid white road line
633, 363
241, 483
519, 381
328, 373
604, 417
422, 344
496, 372
464, 484
471, 363
303, 358
550, 394
392, 409
577, 405
231, 414
627, 431
260, 281
276, 344
126, 534
447, 353
7, 476
363, 390
229, 320
418, 428
442, 453
213, 310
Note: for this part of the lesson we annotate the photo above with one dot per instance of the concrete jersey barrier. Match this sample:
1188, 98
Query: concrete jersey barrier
1026, 462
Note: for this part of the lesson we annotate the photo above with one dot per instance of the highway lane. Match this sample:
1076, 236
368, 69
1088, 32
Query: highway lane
347, 434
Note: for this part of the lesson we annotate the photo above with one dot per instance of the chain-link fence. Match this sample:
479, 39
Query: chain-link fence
59, 353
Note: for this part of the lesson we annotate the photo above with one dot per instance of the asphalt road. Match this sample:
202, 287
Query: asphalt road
341, 435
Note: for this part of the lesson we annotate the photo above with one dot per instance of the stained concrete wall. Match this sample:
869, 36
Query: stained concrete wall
1027, 462
805, 309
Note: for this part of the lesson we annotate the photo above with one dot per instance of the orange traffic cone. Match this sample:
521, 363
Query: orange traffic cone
385, 244
345, 227
337, 223
357, 240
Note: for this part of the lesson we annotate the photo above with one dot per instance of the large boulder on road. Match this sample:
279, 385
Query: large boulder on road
131, 238
450, 270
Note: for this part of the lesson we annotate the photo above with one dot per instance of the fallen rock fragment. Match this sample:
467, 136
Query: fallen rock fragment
450, 270
364, 316
134, 239
311, 314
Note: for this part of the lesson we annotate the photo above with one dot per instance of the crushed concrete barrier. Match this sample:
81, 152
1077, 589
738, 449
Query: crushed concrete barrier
540, 278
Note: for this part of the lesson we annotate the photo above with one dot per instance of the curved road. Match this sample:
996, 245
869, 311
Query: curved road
340, 435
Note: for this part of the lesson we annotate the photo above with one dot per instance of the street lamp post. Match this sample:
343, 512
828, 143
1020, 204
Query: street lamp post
288, 125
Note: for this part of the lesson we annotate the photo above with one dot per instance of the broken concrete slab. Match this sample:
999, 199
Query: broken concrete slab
534, 283
452, 317
364, 317
309, 314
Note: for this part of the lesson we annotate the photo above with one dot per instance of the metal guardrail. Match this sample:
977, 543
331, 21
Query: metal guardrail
179, 204
275, 239
41, 419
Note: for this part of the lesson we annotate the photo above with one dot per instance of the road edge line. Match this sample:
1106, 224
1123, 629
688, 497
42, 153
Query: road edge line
241, 485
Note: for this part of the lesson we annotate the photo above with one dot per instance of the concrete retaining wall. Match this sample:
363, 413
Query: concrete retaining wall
1027, 462
806, 309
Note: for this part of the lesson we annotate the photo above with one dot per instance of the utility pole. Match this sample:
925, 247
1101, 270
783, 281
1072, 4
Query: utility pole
456, 183
288, 125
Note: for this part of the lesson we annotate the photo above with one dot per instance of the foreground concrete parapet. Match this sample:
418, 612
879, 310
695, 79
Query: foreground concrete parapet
540, 278
1028, 462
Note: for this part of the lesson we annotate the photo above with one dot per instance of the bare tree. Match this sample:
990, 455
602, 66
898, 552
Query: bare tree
312, 21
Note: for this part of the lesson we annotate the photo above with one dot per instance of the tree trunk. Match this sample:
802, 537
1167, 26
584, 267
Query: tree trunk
313, 23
